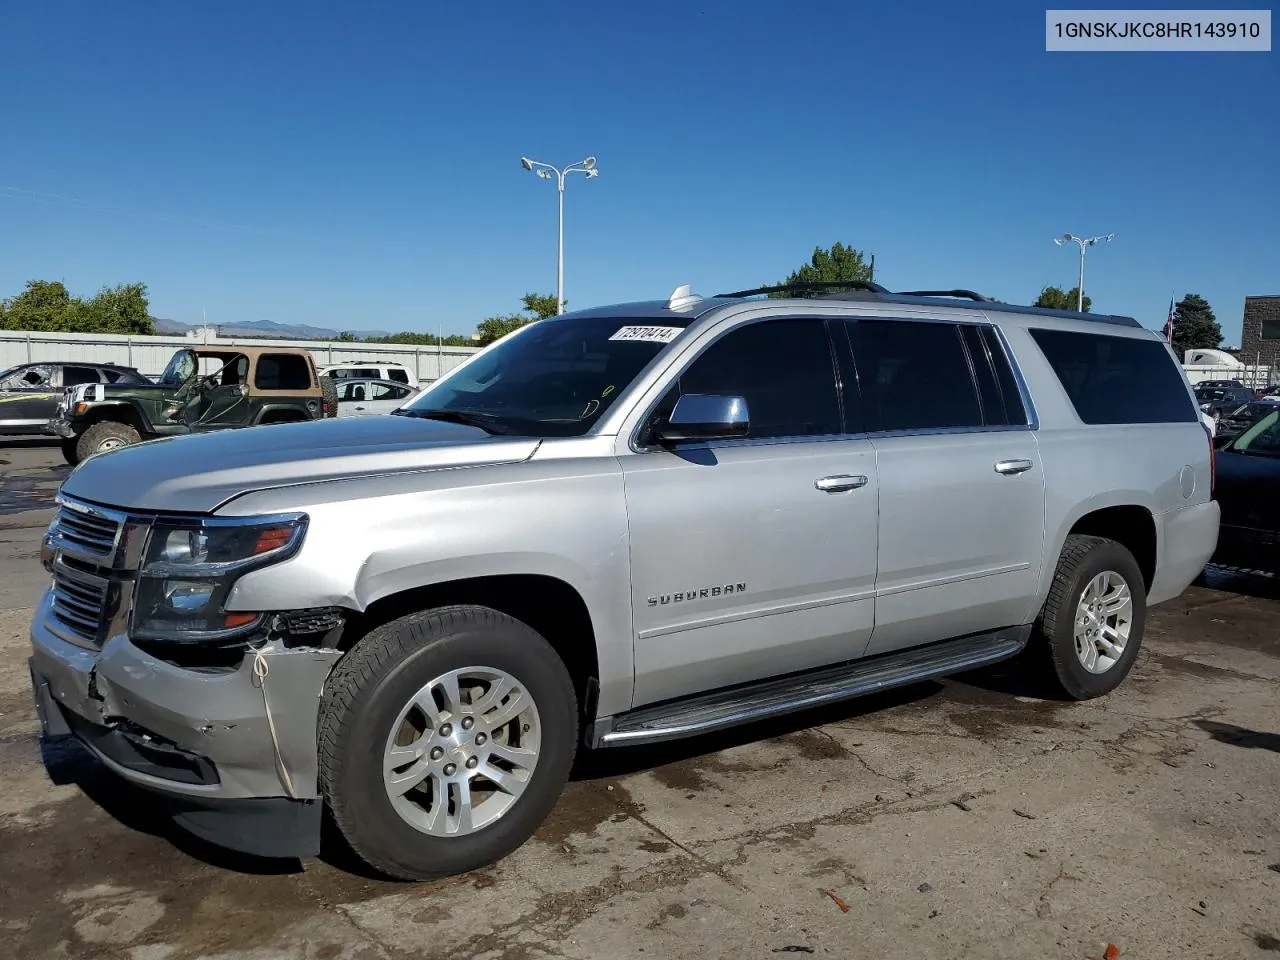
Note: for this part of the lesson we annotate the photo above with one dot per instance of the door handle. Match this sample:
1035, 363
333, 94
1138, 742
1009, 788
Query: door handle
840, 483
359, 408
1011, 467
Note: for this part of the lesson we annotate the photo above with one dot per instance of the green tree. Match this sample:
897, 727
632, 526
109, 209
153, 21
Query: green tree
1055, 298
47, 306
346, 336
1194, 325
538, 306
831, 266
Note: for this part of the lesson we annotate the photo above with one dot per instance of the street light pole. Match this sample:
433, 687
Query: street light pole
1083, 242
547, 172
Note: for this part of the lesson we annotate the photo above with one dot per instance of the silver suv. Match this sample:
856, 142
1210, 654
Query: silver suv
616, 526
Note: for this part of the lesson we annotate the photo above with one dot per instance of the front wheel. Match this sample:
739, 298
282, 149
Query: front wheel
105, 436
1091, 626
69, 452
445, 739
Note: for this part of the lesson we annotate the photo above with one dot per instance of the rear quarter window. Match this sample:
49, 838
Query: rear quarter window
282, 371
1112, 380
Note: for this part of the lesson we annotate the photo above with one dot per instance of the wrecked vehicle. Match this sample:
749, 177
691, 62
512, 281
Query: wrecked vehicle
615, 526
201, 389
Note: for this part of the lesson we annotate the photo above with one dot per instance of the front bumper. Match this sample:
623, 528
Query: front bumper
60, 427
199, 737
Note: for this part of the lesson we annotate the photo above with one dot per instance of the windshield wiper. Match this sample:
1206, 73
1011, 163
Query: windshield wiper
487, 422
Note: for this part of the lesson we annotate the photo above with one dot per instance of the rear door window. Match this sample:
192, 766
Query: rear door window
282, 371
1114, 380
73, 376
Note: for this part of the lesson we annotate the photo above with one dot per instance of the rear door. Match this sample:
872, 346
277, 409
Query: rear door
961, 510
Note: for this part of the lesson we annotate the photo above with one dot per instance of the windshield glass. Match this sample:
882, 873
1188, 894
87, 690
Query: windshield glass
1262, 439
555, 377
182, 365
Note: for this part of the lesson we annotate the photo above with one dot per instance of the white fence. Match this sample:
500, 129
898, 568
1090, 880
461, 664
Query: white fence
150, 354
1253, 375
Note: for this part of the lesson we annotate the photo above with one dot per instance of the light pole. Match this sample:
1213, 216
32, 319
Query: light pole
548, 172
1083, 242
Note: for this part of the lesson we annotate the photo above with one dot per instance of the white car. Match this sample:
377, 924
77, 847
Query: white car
365, 397
371, 370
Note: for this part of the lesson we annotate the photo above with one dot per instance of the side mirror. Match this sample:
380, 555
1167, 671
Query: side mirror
704, 417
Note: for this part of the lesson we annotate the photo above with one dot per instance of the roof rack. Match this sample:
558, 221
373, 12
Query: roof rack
867, 290
962, 294
864, 285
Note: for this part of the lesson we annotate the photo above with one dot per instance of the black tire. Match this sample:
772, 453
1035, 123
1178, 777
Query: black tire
1053, 642
105, 436
363, 698
69, 452
330, 391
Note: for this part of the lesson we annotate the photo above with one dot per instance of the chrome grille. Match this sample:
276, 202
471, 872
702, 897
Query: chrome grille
86, 544
88, 531
79, 600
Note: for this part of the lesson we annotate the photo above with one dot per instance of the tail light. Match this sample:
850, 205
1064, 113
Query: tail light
1213, 464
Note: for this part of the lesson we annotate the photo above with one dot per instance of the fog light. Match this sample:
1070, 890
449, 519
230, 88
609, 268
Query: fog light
187, 596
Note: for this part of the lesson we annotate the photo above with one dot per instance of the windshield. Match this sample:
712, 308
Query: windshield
182, 366
1262, 439
553, 378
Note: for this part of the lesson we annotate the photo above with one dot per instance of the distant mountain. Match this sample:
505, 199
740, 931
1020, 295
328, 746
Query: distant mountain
268, 329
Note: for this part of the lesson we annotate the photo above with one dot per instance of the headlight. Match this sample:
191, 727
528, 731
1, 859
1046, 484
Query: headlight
191, 566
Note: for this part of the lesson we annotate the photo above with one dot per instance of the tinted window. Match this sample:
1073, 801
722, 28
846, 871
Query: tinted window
914, 376
782, 368
1014, 409
400, 376
282, 371
1117, 379
71, 376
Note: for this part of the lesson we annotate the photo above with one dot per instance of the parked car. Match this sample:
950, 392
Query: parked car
360, 397
371, 370
1244, 416
617, 526
1216, 401
29, 392
1248, 491
238, 387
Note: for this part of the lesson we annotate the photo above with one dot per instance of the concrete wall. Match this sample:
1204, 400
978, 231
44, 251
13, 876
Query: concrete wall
150, 354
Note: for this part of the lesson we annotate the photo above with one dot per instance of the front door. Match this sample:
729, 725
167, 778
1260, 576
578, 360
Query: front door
961, 486
753, 557
28, 398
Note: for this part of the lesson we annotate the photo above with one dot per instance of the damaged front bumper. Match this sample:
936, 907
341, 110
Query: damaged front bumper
198, 736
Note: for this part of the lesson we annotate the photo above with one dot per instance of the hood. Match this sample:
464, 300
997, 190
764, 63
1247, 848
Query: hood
200, 472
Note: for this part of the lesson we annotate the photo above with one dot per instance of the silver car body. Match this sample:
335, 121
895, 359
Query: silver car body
935, 543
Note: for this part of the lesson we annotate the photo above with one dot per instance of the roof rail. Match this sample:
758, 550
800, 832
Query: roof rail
864, 285
962, 294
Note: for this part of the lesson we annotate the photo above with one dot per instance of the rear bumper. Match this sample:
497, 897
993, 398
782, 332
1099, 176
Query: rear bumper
1186, 539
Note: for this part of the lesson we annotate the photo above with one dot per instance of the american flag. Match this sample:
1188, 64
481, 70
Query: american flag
1168, 324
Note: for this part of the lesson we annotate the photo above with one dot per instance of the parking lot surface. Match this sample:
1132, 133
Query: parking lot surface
965, 819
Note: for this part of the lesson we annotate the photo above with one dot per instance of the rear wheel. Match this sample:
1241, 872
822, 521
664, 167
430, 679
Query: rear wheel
445, 739
104, 436
1091, 626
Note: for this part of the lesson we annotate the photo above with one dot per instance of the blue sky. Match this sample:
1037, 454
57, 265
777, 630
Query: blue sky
357, 165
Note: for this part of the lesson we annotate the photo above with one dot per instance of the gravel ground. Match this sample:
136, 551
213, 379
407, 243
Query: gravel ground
965, 819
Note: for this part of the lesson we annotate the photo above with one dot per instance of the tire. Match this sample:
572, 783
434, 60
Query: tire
1083, 560
330, 391
69, 452
105, 436
370, 691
